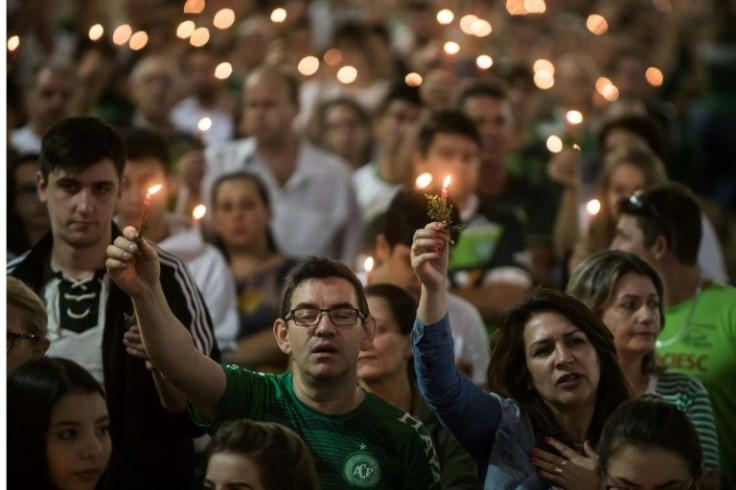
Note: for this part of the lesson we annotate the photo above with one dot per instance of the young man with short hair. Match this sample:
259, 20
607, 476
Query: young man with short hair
489, 264
357, 439
82, 162
663, 226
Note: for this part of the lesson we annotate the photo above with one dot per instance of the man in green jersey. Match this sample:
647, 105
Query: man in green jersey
663, 225
357, 439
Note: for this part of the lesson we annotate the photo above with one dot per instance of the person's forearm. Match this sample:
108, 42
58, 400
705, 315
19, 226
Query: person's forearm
172, 399
432, 305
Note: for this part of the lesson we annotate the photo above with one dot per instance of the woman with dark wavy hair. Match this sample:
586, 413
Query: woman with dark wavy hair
554, 380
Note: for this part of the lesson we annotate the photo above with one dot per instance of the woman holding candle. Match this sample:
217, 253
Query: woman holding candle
627, 293
554, 380
242, 214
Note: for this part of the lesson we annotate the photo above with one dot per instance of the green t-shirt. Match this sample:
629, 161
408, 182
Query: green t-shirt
706, 349
374, 446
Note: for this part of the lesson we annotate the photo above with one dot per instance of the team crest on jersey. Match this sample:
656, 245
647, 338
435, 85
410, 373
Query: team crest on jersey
361, 469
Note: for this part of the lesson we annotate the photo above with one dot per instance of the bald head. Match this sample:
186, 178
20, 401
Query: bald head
271, 97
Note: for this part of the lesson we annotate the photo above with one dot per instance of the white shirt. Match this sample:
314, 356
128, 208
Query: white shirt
374, 194
186, 116
24, 140
314, 213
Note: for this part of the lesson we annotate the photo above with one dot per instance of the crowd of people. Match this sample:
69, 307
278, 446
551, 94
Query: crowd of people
422, 244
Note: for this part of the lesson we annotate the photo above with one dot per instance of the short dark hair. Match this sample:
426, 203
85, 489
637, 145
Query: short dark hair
647, 127
34, 389
283, 459
290, 80
594, 281
406, 214
646, 422
145, 143
508, 374
399, 90
77, 143
672, 211
312, 267
446, 122
482, 88
402, 305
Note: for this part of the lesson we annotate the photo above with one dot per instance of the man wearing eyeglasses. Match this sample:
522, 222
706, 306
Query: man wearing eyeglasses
663, 226
357, 439
26, 325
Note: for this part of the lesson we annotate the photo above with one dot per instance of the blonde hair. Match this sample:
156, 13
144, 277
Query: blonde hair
34, 311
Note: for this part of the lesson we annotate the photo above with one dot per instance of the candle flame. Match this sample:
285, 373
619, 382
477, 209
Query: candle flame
576, 147
154, 189
593, 206
368, 264
424, 180
199, 211
446, 182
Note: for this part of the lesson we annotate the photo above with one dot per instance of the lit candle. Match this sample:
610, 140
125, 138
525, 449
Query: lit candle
443, 193
198, 213
145, 223
368, 264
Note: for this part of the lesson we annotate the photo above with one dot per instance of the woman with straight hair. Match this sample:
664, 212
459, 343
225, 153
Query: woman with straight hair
58, 427
259, 456
649, 444
627, 294
553, 376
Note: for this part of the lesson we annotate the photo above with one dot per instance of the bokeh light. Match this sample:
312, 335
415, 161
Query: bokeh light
515, 7
224, 18
593, 206
194, 6
654, 76
347, 74
413, 79
466, 23
199, 211
96, 32
308, 65
544, 65
204, 124
574, 117
452, 48
596, 24
481, 28
13, 43
554, 144
544, 79
200, 37
223, 70
445, 16
278, 15
332, 57
535, 6
122, 34
484, 62
185, 29
423, 180
138, 41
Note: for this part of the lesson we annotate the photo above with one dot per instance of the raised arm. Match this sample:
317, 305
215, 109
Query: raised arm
429, 257
134, 267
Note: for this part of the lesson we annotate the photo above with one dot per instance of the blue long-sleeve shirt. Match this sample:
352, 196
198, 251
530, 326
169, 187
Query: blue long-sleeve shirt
493, 429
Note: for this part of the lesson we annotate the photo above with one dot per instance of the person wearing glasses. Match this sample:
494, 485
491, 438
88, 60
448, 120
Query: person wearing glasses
26, 325
357, 439
662, 225
554, 380
626, 292
649, 444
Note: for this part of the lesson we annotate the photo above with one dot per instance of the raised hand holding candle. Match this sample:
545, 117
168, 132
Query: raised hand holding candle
437, 207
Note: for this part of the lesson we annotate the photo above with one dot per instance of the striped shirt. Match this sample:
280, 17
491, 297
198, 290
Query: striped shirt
689, 395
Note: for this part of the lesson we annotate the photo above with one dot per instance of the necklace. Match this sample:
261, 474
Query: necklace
661, 344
